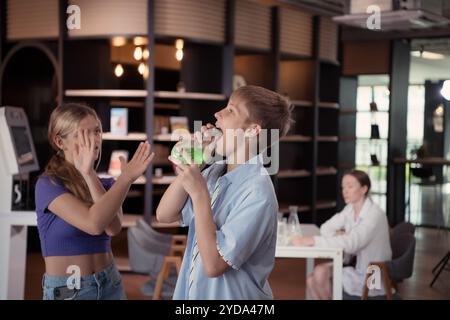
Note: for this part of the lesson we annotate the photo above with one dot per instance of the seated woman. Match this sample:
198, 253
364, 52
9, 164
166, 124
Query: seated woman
360, 229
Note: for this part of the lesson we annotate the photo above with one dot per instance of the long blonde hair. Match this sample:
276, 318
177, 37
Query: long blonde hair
65, 119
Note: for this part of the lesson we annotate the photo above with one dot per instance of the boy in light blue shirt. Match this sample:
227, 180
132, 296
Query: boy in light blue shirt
231, 207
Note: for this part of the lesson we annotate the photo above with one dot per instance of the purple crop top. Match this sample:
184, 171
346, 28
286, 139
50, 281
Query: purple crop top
59, 238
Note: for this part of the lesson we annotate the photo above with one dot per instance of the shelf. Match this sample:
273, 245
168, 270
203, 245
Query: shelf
348, 111
302, 103
100, 93
296, 138
137, 136
164, 137
323, 171
286, 56
127, 104
330, 61
189, 95
347, 138
134, 194
325, 204
132, 136
129, 220
167, 179
140, 180
328, 105
293, 174
346, 166
106, 93
327, 138
158, 192
167, 106
283, 207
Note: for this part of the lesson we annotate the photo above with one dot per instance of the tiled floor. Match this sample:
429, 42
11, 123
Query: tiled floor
287, 279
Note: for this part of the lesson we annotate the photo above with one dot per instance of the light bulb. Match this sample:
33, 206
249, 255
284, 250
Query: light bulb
118, 70
139, 41
445, 91
118, 41
145, 54
141, 68
179, 44
179, 55
439, 110
137, 53
146, 72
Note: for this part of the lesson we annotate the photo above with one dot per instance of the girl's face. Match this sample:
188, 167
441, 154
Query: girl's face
352, 191
70, 141
231, 118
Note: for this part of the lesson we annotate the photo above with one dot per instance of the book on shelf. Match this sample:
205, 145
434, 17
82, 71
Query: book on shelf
119, 121
161, 124
114, 168
162, 153
179, 123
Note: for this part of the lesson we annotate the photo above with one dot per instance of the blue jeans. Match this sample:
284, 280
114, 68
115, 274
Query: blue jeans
102, 285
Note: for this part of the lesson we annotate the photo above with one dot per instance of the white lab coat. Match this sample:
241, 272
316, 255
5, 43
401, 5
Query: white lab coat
367, 238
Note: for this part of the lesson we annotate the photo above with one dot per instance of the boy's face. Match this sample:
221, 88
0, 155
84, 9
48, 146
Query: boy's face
233, 120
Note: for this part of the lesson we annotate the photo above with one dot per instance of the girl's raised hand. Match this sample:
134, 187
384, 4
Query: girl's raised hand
139, 163
83, 154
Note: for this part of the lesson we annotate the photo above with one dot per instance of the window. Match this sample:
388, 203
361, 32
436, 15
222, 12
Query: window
372, 129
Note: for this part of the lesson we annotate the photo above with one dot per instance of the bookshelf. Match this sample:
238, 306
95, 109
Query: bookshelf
281, 48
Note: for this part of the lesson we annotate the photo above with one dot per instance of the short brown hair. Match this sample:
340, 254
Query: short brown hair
266, 107
361, 176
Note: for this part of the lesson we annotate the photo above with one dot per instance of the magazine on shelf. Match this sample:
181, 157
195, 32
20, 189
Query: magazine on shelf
119, 121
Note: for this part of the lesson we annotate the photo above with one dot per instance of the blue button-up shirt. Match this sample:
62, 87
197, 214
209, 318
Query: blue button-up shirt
245, 213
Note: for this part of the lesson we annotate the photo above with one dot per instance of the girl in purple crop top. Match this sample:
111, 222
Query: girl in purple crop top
77, 212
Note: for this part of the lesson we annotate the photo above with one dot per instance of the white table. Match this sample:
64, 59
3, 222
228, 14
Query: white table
310, 253
13, 252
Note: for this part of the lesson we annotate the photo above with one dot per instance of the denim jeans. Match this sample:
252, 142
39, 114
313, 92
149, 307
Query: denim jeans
103, 285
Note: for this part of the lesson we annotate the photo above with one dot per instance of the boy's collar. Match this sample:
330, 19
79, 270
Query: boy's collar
246, 170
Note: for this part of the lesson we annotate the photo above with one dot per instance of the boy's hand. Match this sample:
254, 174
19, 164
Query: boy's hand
192, 180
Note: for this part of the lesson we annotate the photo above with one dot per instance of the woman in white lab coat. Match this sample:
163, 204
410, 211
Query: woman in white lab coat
360, 229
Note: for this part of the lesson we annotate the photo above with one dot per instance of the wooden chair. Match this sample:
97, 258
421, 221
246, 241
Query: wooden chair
397, 269
174, 258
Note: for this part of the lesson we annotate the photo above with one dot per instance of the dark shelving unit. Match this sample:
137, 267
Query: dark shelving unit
311, 79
